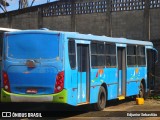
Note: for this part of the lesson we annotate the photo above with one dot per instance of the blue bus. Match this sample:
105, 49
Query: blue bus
72, 68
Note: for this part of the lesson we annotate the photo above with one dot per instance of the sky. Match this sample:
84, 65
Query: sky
14, 4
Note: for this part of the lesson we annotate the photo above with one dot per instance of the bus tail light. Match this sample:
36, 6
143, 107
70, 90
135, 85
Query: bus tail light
6, 84
59, 82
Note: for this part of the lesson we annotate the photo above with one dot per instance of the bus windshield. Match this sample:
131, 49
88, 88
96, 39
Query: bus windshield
32, 46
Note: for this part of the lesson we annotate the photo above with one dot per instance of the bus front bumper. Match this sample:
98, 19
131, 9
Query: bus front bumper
60, 97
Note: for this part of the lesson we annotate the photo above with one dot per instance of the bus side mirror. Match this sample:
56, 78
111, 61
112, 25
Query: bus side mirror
155, 54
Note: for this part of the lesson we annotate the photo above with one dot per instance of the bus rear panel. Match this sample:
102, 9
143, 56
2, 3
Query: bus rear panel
32, 69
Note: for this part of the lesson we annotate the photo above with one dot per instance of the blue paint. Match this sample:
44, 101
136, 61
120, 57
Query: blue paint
112, 91
134, 78
79, 87
110, 77
120, 83
44, 50
83, 89
42, 78
72, 85
51, 55
132, 88
94, 94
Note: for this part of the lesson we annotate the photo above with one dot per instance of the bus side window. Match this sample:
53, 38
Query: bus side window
101, 55
94, 54
110, 55
141, 56
97, 54
72, 54
131, 55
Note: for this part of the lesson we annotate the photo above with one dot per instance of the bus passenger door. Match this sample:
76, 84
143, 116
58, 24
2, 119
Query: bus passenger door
152, 57
121, 57
83, 60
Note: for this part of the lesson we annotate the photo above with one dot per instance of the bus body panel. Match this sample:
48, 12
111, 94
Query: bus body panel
70, 77
134, 78
112, 82
42, 76
23, 78
100, 76
72, 86
71, 93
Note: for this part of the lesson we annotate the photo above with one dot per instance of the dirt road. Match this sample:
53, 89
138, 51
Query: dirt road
123, 110
115, 110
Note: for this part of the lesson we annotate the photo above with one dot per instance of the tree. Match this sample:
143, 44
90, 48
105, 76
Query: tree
3, 5
23, 4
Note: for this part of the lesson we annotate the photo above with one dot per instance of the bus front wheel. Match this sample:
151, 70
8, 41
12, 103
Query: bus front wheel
100, 105
141, 91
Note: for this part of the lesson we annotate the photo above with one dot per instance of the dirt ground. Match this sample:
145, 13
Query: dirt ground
123, 110
115, 110
130, 105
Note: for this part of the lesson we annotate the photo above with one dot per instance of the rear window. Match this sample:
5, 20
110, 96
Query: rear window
33, 46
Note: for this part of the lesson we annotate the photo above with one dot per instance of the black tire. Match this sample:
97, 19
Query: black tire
101, 104
141, 91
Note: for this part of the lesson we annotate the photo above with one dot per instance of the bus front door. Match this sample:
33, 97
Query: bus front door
121, 56
83, 61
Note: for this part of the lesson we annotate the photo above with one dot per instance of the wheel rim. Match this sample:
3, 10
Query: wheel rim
141, 91
102, 99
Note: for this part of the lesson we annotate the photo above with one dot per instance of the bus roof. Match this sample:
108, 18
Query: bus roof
8, 29
90, 37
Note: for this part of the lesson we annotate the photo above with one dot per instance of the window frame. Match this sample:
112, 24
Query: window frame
128, 55
141, 56
111, 55
72, 54
97, 54
137, 55
104, 54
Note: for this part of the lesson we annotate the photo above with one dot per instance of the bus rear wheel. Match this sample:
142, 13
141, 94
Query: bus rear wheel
100, 105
